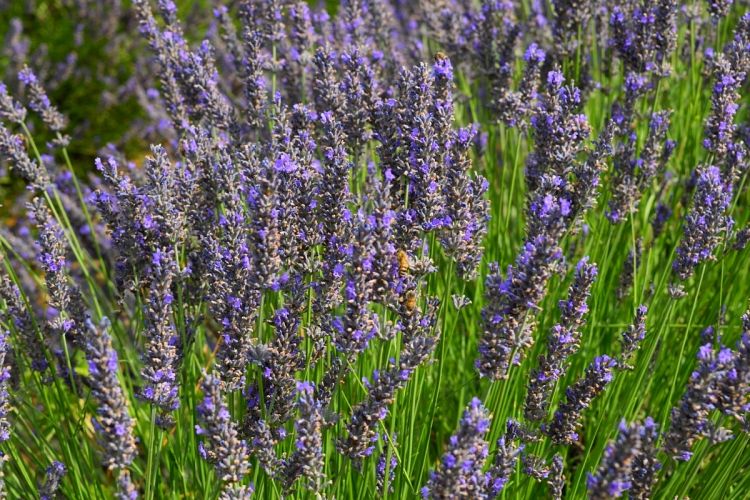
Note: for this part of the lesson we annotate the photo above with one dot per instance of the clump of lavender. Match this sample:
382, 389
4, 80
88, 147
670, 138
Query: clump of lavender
559, 130
557, 201
720, 127
144, 218
515, 105
690, 419
307, 461
460, 471
279, 361
622, 458
190, 78
331, 206
645, 35
220, 443
564, 340
563, 429
52, 478
358, 88
234, 295
509, 316
421, 167
705, 223
719, 9
112, 420
570, 20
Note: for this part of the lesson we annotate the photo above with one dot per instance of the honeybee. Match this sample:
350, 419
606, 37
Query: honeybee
440, 56
410, 301
403, 262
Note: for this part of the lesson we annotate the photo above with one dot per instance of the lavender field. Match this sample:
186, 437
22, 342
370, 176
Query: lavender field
442, 249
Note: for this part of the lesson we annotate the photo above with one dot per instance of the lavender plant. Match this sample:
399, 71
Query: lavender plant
298, 230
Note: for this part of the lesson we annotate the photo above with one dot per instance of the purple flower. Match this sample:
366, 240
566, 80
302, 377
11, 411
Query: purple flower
628, 463
690, 419
162, 355
16, 314
220, 439
466, 208
460, 472
40, 103
645, 464
64, 295
704, 223
5, 407
113, 422
10, 109
52, 478
13, 151
506, 458
563, 429
564, 340
385, 469
307, 461
633, 337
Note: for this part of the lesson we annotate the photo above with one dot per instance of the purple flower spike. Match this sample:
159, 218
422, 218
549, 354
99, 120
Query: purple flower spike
460, 472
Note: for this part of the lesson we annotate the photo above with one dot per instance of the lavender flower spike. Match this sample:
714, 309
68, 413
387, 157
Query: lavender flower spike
509, 317
4, 401
629, 464
614, 476
567, 419
221, 444
633, 336
645, 466
690, 419
10, 109
112, 421
161, 359
556, 480
460, 472
704, 223
385, 470
64, 296
40, 102
563, 341
52, 477
506, 458
307, 461
14, 312
12, 150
